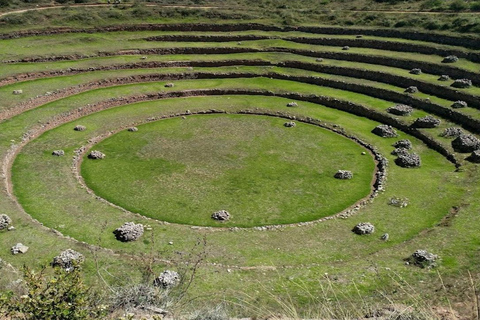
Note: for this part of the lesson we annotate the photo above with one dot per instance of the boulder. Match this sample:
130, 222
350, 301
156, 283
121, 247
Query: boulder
80, 128
474, 157
17, 91
169, 85
466, 143
459, 104
416, 71
95, 155
167, 279
462, 83
450, 59
58, 153
343, 175
444, 77
410, 160
19, 248
132, 129
319, 60
400, 110
384, 131
364, 228
411, 89
129, 231
290, 124
68, 259
404, 143
346, 48
4, 221
426, 122
423, 258
221, 215
451, 132
292, 104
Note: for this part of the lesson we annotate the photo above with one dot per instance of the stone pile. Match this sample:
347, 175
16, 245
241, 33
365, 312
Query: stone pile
221, 215
80, 128
404, 143
459, 104
167, 279
450, 59
451, 132
290, 124
68, 259
400, 110
292, 104
398, 202
410, 160
364, 228
416, 71
444, 77
462, 83
411, 89
19, 248
346, 48
132, 129
4, 221
399, 151
169, 85
319, 60
58, 153
384, 131
17, 91
343, 175
466, 143
423, 259
426, 122
475, 156
129, 231
95, 155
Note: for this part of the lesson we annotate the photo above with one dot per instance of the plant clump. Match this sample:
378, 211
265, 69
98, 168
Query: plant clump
129, 231
451, 132
423, 259
450, 59
364, 228
58, 153
290, 124
444, 77
426, 122
4, 221
404, 143
221, 215
462, 83
95, 155
167, 279
384, 131
459, 104
410, 160
343, 175
68, 260
411, 89
416, 71
80, 128
466, 143
400, 110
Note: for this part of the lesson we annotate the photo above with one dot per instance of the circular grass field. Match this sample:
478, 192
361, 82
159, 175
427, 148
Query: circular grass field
263, 173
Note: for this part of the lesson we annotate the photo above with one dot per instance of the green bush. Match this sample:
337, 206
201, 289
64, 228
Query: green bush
458, 5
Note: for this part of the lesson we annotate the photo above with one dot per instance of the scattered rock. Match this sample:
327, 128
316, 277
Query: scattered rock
132, 129
410, 160
169, 85
398, 202
68, 259
426, 122
167, 279
474, 157
221, 215
450, 59
384, 131
411, 89
400, 110
290, 124
404, 143
80, 128
129, 231
95, 154
399, 151
17, 91
58, 153
19, 248
423, 259
4, 221
466, 143
451, 132
364, 228
346, 48
319, 60
416, 71
444, 77
143, 58
459, 104
292, 104
385, 237
462, 83
343, 175
11, 228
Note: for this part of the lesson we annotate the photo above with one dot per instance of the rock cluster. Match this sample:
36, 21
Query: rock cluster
4, 221
384, 131
398, 202
290, 124
462, 83
423, 258
221, 215
95, 154
319, 60
19, 248
411, 89
167, 279
58, 153
400, 110
459, 104
169, 85
17, 91
404, 143
129, 231
292, 104
399, 151
444, 77
80, 128
426, 122
410, 160
466, 143
451, 132
416, 71
132, 129
475, 156
450, 59
343, 175
68, 259
346, 48
364, 228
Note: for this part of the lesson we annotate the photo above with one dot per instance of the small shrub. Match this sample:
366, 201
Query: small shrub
458, 5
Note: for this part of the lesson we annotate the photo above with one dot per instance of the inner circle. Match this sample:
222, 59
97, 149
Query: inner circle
260, 171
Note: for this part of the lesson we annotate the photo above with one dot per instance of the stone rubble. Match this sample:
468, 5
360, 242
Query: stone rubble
364, 228
80, 128
474, 157
17, 91
404, 143
411, 89
292, 104
462, 83
221, 215
426, 122
466, 143
384, 131
132, 129
423, 259
444, 77
343, 175
410, 160
290, 124
19, 248
416, 71
459, 104
169, 85
129, 231
399, 151
451, 132
58, 153
68, 259
450, 59
400, 110
95, 154
167, 279
4, 221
